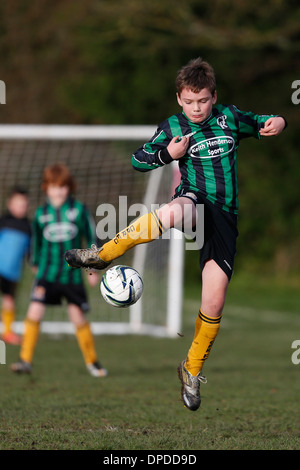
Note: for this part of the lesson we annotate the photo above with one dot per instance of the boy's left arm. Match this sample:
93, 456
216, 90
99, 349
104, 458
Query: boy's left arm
273, 126
36, 242
88, 226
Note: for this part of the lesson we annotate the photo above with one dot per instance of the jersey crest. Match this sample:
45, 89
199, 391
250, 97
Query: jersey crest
221, 121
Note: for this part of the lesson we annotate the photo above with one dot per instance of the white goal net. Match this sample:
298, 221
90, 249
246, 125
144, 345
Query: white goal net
99, 157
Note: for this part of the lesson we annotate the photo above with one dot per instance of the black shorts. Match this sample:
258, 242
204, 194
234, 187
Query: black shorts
220, 234
52, 293
8, 287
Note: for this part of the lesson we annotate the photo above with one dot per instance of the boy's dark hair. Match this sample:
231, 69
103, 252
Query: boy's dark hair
196, 75
60, 175
18, 190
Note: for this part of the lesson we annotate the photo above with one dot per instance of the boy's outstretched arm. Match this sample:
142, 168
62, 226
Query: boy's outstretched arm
273, 126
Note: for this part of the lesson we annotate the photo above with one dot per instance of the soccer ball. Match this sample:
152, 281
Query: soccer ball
121, 286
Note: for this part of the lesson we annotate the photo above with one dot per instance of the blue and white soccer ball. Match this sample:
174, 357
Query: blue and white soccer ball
121, 286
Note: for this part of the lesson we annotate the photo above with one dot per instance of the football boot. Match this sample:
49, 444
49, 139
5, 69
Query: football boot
190, 387
96, 370
88, 258
21, 367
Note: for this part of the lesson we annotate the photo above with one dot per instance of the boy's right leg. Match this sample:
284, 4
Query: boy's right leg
31, 333
214, 288
144, 229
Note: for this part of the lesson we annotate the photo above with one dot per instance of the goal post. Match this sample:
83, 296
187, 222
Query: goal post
175, 264
99, 157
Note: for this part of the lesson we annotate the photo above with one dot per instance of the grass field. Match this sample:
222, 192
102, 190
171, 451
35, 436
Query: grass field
251, 400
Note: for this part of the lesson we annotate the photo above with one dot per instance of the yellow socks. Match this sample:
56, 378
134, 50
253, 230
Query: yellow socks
206, 330
143, 230
84, 337
86, 343
31, 334
8, 317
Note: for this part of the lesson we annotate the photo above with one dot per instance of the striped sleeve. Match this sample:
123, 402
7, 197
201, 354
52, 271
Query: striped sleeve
89, 226
249, 124
152, 154
36, 241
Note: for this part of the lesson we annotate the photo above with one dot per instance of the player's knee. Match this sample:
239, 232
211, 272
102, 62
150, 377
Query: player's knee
35, 312
213, 307
179, 213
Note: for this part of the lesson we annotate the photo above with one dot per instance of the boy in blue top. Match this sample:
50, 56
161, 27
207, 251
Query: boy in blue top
15, 234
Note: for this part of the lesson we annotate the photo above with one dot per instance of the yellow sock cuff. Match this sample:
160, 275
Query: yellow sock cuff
159, 224
209, 320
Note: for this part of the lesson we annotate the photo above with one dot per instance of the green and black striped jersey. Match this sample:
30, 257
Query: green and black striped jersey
56, 230
209, 166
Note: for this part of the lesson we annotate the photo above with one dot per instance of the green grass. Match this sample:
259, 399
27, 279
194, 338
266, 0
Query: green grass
251, 400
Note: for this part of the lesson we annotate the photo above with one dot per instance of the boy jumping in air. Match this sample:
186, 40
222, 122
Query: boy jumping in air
203, 138
62, 222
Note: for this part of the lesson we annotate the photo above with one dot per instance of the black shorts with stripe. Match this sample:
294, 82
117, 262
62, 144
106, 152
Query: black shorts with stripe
53, 293
220, 233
